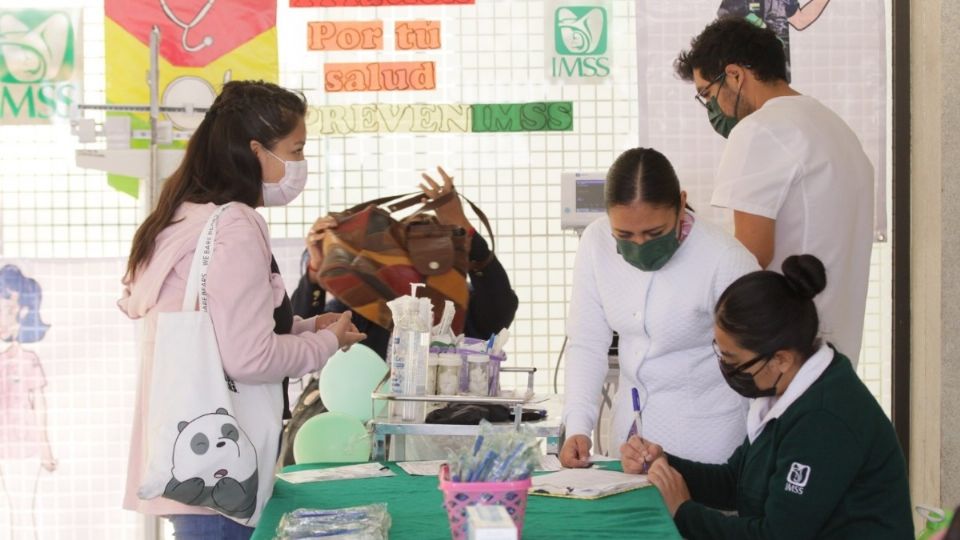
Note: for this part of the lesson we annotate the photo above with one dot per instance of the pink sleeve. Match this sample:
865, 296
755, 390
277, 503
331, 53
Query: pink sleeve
241, 304
301, 325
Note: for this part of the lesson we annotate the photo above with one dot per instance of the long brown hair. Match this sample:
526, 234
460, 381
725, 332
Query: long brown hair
218, 165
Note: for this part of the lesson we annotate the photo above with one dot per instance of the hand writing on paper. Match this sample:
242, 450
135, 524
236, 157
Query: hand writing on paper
345, 331
671, 484
451, 213
637, 454
315, 245
576, 452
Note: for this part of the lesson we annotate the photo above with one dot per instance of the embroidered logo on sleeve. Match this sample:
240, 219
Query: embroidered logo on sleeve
797, 478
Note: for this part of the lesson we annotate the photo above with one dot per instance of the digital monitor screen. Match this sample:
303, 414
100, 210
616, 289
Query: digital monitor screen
589, 194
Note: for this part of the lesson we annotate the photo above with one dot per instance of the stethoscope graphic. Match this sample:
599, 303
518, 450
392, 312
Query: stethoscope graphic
207, 40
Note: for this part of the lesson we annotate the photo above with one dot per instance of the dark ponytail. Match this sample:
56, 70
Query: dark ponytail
766, 312
218, 165
642, 174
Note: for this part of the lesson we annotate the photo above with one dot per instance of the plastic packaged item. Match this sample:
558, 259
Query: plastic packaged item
368, 522
490, 350
409, 352
448, 374
496, 470
490, 522
442, 334
479, 375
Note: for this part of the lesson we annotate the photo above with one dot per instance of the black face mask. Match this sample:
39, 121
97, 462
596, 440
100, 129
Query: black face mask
742, 382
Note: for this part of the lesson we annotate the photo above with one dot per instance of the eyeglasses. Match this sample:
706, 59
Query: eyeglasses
701, 95
733, 370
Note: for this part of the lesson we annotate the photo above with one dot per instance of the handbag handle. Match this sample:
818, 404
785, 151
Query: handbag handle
411, 199
437, 203
196, 291
377, 202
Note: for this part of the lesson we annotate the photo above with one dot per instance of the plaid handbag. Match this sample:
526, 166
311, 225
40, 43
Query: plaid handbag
371, 258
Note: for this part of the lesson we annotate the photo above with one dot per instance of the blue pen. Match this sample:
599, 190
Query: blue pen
637, 422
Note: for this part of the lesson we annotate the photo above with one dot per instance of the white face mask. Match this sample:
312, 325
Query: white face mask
290, 185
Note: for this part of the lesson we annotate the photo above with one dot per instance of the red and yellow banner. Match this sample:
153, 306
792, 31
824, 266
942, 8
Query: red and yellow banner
203, 44
374, 3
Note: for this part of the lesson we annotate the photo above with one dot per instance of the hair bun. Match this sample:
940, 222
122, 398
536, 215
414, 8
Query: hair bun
805, 274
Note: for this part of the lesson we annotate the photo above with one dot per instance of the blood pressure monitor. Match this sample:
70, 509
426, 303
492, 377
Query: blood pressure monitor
582, 198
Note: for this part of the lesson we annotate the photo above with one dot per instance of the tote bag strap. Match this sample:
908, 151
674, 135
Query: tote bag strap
196, 291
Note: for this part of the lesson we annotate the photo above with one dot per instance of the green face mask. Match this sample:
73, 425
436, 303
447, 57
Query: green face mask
651, 255
721, 123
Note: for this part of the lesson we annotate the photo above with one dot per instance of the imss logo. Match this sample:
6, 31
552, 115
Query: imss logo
580, 42
797, 478
38, 62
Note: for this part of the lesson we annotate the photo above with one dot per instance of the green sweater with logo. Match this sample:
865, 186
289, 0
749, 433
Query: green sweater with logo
829, 467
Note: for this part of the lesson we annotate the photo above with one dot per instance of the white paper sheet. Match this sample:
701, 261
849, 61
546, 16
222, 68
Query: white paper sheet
349, 472
422, 468
586, 483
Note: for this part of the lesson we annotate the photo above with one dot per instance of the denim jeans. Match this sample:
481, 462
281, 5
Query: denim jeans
208, 527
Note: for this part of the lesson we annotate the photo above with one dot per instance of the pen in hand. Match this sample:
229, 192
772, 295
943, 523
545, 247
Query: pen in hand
638, 423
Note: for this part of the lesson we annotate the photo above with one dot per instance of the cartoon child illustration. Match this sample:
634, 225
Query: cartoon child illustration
778, 15
24, 445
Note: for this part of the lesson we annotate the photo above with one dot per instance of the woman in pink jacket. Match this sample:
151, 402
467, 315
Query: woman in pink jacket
248, 150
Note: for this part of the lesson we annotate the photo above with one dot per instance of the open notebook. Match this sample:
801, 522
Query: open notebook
586, 483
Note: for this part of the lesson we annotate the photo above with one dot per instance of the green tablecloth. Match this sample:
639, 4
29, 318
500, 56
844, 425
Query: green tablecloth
416, 508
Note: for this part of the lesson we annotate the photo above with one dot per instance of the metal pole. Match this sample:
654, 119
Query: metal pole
153, 81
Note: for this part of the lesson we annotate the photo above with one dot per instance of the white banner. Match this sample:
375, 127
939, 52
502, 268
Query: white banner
839, 58
577, 40
41, 60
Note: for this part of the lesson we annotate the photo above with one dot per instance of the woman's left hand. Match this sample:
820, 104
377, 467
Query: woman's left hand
671, 484
326, 319
451, 213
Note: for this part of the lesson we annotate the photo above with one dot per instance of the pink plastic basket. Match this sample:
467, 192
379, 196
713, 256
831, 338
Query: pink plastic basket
457, 496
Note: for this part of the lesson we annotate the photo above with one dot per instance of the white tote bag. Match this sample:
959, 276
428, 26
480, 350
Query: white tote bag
211, 441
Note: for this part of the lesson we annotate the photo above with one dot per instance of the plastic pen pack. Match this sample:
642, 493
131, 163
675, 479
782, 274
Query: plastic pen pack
368, 522
498, 455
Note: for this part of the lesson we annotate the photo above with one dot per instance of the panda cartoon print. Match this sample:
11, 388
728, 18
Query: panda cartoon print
214, 465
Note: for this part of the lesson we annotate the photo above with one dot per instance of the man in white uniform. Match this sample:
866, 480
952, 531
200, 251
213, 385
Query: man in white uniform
793, 172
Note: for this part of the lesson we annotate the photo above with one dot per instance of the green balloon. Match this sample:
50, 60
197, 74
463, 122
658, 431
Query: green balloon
331, 438
349, 378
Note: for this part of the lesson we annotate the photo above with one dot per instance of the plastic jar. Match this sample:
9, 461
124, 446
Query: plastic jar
479, 375
448, 374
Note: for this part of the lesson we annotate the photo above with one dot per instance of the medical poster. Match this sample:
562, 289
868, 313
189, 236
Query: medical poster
577, 43
203, 44
68, 380
41, 59
374, 3
836, 53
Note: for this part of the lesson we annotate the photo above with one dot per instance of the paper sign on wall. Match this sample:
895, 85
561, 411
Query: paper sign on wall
202, 46
345, 35
374, 3
40, 65
578, 42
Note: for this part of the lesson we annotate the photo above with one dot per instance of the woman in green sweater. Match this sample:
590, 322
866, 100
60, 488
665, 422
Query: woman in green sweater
821, 459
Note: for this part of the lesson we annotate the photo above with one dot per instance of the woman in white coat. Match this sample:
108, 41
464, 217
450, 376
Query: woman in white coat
652, 272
